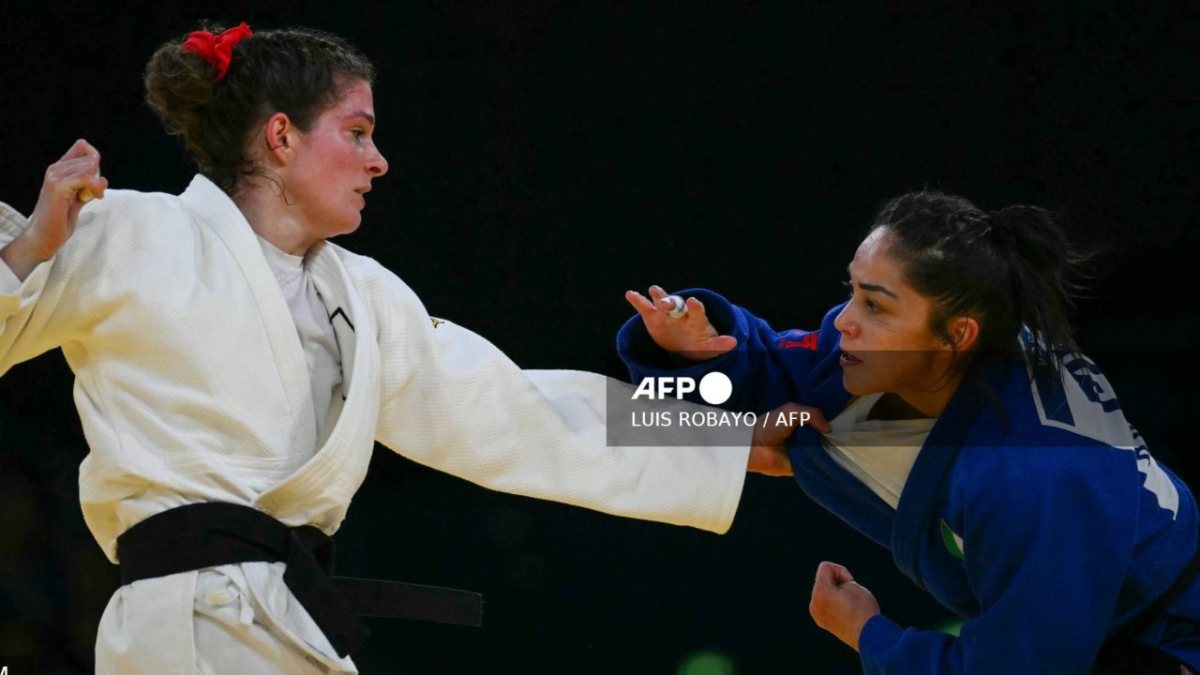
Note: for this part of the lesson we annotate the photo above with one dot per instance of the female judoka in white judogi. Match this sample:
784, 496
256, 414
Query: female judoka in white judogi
225, 353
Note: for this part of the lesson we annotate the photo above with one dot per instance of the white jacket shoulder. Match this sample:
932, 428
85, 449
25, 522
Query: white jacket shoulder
130, 208
127, 225
377, 282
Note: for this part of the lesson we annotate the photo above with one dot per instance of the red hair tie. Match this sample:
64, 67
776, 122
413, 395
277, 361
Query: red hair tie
217, 49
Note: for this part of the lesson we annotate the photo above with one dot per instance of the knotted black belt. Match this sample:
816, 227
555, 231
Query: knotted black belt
196, 536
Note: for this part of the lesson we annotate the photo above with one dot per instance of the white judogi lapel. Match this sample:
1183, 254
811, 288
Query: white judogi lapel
217, 212
318, 492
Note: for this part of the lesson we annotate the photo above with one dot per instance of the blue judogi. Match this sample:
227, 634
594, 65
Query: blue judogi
1033, 510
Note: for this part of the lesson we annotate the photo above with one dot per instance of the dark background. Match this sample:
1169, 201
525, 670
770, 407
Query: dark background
545, 157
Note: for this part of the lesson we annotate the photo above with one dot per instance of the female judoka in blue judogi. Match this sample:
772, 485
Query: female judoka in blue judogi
969, 437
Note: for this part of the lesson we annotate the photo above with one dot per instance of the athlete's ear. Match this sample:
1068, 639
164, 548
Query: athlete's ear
278, 133
964, 333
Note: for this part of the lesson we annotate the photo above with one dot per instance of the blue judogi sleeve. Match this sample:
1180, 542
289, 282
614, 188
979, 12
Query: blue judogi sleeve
1046, 542
768, 368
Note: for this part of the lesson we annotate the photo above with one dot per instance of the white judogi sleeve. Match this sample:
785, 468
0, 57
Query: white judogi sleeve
453, 401
28, 327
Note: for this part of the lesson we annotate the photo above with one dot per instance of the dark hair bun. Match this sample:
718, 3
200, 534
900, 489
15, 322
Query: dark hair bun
1033, 235
179, 84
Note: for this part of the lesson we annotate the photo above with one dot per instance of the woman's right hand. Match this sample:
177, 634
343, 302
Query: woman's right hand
691, 336
69, 183
768, 446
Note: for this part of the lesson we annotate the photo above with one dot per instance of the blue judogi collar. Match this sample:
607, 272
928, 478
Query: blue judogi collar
926, 482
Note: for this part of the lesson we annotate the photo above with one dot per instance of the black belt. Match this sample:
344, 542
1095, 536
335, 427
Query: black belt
196, 536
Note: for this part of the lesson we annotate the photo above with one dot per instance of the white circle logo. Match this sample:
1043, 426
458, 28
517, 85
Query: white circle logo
715, 388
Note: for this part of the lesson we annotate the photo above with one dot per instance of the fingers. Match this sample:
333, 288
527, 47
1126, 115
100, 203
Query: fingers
719, 344
658, 301
82, 158
817, 421
832, 574
671, 305
693, 308
68, 184
77, 175
779, 424
94, 190
840, 605
841, 575
639, 302
658, 306
689, 335
74, 166
80, 148
769, 461
794, 413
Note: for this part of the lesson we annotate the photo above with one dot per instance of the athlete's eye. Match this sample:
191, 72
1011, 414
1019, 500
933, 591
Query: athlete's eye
871, 305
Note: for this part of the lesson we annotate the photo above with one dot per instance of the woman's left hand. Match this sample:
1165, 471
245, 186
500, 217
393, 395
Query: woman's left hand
839, 605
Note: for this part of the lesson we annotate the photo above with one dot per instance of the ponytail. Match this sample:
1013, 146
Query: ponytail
1046, 274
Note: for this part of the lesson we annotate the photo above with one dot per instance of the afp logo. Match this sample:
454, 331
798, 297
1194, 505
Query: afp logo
715, 388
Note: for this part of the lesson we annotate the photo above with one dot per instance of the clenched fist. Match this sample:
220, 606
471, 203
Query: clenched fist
69, 183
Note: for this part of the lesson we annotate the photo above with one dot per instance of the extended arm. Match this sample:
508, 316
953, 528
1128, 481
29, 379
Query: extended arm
452, 401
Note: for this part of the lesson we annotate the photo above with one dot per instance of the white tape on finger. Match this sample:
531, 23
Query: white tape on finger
678, 307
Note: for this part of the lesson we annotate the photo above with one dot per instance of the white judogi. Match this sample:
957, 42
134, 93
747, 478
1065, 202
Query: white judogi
192, 386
